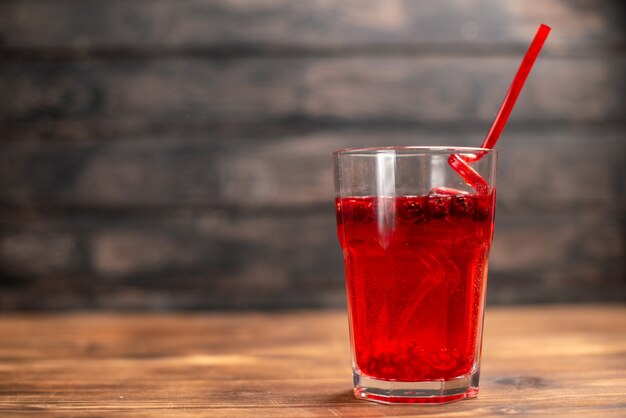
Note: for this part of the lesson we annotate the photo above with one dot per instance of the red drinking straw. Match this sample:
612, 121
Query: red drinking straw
470, 175
460, 162
516, 87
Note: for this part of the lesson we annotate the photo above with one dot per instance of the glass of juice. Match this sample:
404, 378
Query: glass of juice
415, 239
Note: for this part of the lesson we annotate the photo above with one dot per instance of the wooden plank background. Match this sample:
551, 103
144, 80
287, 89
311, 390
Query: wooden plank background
175, 154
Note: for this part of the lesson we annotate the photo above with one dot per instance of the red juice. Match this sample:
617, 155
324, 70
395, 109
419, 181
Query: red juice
416, 269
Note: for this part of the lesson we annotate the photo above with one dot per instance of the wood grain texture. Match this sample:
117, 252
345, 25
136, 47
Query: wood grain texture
170, 223
166, 154
219, 260
141, 24
555, 169
350, 89
552, 361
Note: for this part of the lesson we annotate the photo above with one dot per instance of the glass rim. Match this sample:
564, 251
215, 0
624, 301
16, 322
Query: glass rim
411, 150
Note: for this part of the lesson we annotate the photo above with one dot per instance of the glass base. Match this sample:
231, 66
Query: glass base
429, 391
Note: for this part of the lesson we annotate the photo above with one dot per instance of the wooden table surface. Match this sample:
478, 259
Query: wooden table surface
537, 361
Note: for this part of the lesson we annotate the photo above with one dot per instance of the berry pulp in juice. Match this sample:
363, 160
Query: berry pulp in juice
416, 269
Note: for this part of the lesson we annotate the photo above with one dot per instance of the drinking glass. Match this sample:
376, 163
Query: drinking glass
415, 239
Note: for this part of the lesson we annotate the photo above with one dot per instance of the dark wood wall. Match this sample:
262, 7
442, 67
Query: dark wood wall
174, 154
